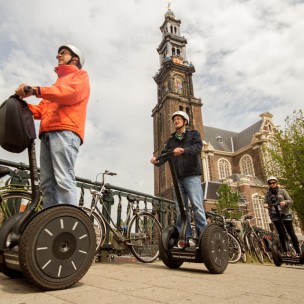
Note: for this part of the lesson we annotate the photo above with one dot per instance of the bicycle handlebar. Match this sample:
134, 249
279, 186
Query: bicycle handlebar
106, 172
109, 173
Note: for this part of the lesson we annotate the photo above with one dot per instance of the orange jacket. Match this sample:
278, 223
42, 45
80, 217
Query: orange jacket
64, 104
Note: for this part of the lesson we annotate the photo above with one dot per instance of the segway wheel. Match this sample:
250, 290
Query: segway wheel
57, 247
168, 237
213, 246
276, 253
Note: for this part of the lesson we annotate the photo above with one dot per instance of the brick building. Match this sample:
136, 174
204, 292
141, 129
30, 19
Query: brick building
237, 158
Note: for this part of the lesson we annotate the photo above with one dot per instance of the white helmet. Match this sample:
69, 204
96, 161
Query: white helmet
271, 178
75, 51
182, 114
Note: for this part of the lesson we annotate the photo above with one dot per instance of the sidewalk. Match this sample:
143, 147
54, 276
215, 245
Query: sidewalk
125, 281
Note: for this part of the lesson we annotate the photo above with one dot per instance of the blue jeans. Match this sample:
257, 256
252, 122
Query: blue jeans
191, 189
58, 154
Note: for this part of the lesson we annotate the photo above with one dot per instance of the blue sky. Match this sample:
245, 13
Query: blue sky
248, 57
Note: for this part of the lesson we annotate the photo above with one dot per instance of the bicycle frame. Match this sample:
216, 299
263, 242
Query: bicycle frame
132, 211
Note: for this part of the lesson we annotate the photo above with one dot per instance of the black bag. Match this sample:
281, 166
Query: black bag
17, 129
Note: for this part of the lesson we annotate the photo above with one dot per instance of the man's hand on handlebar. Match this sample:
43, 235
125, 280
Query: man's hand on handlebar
154, 160
24, 90
178, 151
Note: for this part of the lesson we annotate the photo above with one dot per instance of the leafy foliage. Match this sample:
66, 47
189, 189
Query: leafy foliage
228, 199
287, 160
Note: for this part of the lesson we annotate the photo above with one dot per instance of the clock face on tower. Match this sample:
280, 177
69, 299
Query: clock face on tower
177, 60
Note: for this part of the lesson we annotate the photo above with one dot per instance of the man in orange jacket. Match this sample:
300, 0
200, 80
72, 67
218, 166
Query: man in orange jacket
62, 112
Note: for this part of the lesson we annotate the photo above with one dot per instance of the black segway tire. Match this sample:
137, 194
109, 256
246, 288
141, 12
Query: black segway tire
213, 248
57, 247
168, 237
276, 253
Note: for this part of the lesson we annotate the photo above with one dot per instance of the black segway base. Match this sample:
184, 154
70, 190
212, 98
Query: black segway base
280, 257
212, 249
57, 247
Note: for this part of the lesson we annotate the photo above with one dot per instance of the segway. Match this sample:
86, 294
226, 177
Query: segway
52, 248
174, 250
284, 253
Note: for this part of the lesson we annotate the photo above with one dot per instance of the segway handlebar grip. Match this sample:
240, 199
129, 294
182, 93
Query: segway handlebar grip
27, 89
167, 153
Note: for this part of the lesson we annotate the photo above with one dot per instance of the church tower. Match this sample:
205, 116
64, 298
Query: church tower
174, 92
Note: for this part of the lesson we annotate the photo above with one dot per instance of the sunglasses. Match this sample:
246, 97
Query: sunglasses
272, 183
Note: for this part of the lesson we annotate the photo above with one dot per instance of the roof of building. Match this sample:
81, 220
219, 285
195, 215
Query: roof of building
229, 141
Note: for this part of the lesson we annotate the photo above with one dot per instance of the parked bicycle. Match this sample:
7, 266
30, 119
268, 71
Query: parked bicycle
254, 244
140, 232
267, 239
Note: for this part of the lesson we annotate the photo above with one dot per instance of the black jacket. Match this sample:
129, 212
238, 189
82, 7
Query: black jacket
189, 163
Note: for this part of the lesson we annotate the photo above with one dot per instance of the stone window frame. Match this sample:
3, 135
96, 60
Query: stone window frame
224, 168
260, 213
246, 165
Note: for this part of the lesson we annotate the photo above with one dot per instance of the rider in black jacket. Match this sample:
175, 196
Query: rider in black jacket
186, 146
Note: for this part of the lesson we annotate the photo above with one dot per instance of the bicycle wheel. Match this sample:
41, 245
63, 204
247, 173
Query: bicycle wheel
267, 254
235, 251
99, 227
144, 236
255, 243
12, 203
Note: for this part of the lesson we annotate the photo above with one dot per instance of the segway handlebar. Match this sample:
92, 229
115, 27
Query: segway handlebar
164, 154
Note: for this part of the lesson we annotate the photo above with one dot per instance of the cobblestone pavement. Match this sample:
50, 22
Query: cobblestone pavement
127, 281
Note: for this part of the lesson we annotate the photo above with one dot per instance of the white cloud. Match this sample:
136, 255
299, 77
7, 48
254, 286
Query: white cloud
247, 56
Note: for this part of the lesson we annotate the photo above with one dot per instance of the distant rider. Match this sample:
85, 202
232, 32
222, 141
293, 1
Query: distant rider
277, 194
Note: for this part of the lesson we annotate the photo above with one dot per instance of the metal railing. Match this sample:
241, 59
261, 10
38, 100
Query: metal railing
115, 205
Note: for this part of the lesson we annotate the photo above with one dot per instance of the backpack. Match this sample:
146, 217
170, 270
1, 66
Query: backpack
17, 129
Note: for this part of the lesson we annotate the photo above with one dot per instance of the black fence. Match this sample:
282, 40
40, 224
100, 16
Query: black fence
115, 204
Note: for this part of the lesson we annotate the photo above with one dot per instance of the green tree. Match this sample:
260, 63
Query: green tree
287, 160
228, 199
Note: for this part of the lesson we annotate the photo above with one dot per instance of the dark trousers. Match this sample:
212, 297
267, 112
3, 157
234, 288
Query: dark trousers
289, 229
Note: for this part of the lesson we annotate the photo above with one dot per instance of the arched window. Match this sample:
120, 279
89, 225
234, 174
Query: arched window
246, 165
224, 168
261, 214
